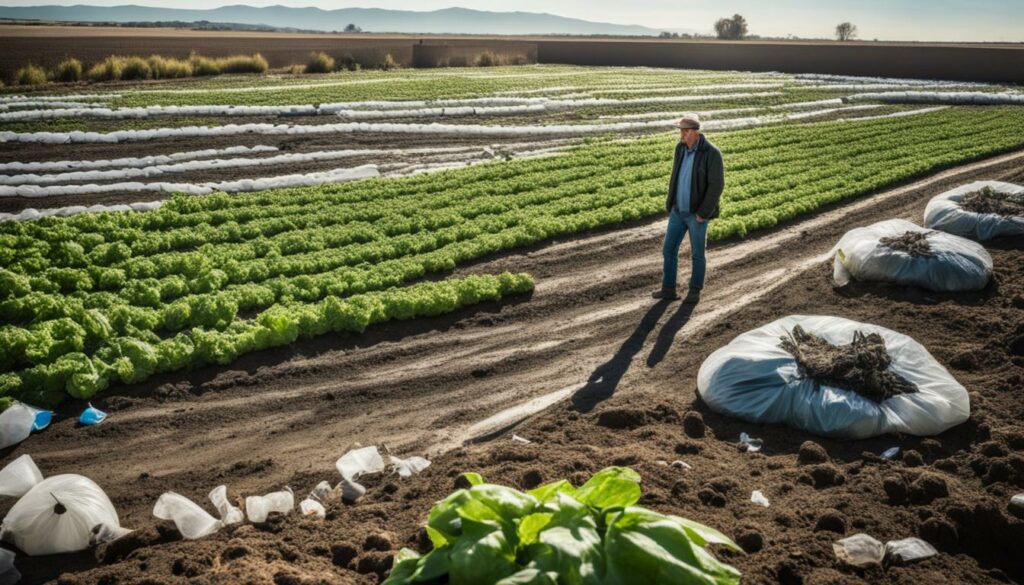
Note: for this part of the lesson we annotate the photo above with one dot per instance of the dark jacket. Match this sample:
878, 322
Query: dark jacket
708, 179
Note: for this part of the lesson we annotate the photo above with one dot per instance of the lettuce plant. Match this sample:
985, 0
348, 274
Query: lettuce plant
564, 535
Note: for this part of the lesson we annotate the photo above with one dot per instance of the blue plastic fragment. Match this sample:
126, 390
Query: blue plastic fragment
92, 416
42, 420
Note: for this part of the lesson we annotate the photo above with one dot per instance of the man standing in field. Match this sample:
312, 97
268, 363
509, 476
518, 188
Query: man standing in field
698, 177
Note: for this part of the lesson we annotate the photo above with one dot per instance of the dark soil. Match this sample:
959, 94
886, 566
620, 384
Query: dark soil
861, 365
988, 200
913, 243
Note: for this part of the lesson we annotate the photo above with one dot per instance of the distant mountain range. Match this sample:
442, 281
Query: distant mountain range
447, 20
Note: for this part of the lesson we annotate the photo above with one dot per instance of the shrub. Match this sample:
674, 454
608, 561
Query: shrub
388, 63
486, 59
167, 68
68, 70
202, 66
296, 69
30, 75
107, 70
135, 68
243, 64
320, 63
349, 62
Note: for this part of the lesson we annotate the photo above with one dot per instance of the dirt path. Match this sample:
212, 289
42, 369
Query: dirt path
589, 337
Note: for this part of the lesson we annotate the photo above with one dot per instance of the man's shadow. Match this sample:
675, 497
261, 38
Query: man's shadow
604, 380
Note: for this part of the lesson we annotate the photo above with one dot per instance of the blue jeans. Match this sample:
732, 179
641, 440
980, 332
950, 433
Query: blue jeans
678, 224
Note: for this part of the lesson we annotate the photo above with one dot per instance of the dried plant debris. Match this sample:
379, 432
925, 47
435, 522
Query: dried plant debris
913, 243
861, 366
988, 200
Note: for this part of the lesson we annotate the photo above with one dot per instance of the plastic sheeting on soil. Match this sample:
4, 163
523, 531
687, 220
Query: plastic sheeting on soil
31, 214
955, 263
754, 379
55, 515
128, 162
185, 167
941, 97
944, 213
240, 186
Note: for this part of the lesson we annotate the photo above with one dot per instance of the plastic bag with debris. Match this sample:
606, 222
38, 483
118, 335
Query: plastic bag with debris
945, 212
903, 253
755, 379
55, 515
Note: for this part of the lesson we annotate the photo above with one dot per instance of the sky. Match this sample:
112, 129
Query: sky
912, 20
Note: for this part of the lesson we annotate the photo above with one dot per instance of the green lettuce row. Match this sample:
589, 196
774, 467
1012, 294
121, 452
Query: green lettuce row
68, 325
130, 360
558, 534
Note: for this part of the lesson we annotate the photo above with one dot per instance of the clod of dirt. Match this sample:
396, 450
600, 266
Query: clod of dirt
928, 487
622, 418
896, 489
531, 479
287, 578
831, 521
811, 453
751, 541
342, 554
116, 550
993, 449
913, 243
693, 425
861, 366
710, 497
687, 448
947, 465
378, 563
381, 542
912, 458
940, 533
827, 475
988, 200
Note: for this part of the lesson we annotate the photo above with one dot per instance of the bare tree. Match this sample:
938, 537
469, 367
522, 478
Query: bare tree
845, 31
731, 28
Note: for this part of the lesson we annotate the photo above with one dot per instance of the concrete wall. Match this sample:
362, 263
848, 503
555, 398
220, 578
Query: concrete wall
953, 62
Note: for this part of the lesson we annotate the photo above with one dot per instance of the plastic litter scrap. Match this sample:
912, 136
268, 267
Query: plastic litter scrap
908, 550
520, 440
229, 513
8, 574
753, 445
18, 422
407, 467
314, 504
890, 452
190, 519
91, 416
257, 508
759, 498
859, 550
681, 464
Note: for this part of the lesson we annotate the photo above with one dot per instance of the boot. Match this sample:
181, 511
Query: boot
692, 296
669, 293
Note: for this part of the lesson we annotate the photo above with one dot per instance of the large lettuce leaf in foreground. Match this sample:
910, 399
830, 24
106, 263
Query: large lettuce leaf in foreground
558, 534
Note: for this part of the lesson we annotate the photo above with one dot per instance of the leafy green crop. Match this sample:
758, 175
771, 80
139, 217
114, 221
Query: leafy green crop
557, 534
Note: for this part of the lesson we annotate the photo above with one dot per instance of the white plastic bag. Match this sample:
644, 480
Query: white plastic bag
18, 421
944, 213
19, 476
257, 508
58, 516
190, 519
754, 379
313, 505
352, 465
859, 550
955, 263
407, 467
